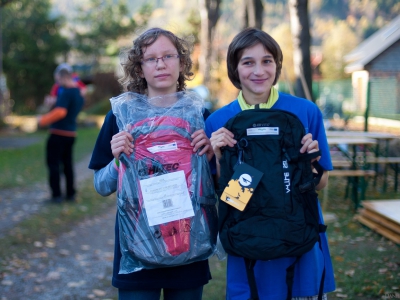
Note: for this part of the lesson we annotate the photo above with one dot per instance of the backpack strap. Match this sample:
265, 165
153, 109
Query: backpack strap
251, 278
308, 186
290, 277
321, 284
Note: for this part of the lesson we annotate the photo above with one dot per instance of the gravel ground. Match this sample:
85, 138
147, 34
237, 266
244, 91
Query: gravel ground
75, 265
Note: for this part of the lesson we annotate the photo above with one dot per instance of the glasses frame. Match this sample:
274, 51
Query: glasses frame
153, 61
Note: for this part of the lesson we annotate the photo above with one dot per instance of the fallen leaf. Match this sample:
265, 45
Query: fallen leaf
349, 273
339, 258
341, 295
381, 249
85, 247
53, 276
382, 271
64, 252
50, 243
39, 255
38, 244
99, 293
76, 284
7, 282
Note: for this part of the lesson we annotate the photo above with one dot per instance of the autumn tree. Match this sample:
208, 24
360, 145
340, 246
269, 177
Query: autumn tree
300, 28
253, 13
280, 34
31, 43
209, 14
3, 106
334, 49
98, 25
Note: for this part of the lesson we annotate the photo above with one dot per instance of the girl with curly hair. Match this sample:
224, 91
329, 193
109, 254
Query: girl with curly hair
158, 64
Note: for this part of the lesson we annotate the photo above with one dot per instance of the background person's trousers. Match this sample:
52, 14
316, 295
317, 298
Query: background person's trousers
59, 152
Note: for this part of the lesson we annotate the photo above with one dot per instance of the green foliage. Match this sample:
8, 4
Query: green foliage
339, 8
334, 49
99, 23
31, 42
194, 21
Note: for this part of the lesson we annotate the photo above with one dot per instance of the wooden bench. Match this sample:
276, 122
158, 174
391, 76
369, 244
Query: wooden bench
387, 160
341, 163
383, 160
354, 175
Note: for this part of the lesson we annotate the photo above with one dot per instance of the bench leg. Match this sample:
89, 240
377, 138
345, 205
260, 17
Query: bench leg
355, 191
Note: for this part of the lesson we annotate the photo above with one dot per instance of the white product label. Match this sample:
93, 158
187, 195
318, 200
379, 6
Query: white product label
163, 148
166, 198
263, 131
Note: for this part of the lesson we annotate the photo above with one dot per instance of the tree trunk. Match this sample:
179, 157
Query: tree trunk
2, 87
253, 13
209, 13
4, 109
301, 47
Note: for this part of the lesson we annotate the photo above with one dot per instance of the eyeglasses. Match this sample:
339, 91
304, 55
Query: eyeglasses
152, 61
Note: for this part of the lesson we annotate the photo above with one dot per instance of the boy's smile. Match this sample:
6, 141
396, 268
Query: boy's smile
257, 71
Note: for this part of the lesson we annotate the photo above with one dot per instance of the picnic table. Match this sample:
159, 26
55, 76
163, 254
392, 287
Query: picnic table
381, 150
352, 155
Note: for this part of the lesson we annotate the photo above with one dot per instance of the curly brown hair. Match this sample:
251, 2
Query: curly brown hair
131, 60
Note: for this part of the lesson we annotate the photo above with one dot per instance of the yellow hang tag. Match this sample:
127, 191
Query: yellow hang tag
241, 186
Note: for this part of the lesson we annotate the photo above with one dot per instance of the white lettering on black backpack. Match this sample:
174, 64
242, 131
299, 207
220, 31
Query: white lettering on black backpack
281, 219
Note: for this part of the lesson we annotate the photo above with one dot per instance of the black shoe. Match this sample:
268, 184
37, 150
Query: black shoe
57, 200
70, 198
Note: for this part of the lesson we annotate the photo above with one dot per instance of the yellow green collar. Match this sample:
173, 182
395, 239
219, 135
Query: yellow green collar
273, 97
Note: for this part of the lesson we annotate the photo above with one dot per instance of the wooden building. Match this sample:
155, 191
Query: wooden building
377, 61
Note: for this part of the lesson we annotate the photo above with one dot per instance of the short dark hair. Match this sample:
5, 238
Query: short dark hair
64, 73
247, 38
131, 60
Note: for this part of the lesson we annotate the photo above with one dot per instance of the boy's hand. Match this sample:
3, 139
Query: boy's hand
220, 138
309, 145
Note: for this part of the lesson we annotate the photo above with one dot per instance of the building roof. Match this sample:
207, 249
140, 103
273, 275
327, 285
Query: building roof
370, 48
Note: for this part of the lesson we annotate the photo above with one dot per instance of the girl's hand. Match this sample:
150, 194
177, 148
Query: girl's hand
220, 138
122, 142
201, 141
309, 145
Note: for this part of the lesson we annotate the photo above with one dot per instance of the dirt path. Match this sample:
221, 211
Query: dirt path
75, 265
16, 204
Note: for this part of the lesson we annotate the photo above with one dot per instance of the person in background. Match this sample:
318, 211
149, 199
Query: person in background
158, 64
62, 126
56, 89
254, 62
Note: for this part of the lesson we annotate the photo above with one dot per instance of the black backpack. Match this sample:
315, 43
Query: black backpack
281, 218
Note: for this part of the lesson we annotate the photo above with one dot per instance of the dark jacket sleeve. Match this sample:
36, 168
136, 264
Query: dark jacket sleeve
102, 154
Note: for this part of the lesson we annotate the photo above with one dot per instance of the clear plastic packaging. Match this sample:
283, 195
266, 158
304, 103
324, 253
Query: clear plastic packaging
166, 200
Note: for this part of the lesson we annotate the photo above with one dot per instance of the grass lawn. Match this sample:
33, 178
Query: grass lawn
24, 166
367, 265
